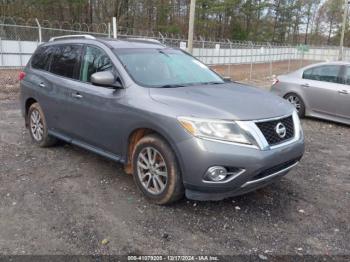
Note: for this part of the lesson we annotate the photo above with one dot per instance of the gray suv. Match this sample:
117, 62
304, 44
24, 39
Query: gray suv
173, 123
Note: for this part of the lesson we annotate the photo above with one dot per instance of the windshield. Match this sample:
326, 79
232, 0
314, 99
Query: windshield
165, 68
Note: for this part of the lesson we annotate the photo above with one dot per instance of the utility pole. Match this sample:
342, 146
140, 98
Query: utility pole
191, 26
90, 11
115, 30
341, 48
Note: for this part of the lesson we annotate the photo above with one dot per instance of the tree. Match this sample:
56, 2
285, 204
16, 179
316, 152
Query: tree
295, 21
330, 17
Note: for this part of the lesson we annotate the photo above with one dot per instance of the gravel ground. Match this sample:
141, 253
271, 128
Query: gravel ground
9, 84
65, 200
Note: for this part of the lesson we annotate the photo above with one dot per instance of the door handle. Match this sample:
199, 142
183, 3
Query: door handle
344, 92
42, 85
306, 85
77, 95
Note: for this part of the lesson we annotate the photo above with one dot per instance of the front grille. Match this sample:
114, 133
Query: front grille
268, 129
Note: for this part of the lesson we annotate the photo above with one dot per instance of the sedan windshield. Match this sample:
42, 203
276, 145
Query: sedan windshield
165, 68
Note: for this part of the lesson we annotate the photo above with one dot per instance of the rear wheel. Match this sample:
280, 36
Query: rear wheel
156, 172
38, 128
297, 102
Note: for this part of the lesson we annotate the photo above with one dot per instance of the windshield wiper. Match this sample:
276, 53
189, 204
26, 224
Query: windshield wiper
213, 83
160, 51
171, 86
191, 84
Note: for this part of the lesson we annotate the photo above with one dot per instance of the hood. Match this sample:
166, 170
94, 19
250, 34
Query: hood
224, 101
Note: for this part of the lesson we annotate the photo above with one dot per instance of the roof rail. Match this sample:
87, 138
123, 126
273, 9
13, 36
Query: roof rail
144, 40
52, 39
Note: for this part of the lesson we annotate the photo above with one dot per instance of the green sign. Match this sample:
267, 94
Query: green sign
303, 48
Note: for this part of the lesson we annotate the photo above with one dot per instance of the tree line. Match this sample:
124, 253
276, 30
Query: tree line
281, 21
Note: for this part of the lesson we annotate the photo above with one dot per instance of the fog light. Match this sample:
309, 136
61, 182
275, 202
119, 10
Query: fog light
216, 173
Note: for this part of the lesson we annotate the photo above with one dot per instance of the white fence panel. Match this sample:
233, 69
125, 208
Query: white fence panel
15, 53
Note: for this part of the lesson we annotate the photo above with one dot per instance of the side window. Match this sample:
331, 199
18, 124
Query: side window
347, 75
66, 61
329, 73
95, 60
41, 58
308, 74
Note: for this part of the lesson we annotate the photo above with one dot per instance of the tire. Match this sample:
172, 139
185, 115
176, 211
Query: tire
297, 102
162, 169
38, 128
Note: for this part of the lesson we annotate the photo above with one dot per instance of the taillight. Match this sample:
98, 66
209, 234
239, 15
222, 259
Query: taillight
21, 75
275, 81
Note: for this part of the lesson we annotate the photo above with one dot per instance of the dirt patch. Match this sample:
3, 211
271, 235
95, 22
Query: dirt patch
260, 72
9, 83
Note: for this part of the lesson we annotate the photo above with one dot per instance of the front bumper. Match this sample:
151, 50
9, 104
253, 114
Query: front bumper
261, 167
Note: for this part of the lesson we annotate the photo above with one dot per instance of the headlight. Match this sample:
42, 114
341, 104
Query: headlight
216, 129
297, 125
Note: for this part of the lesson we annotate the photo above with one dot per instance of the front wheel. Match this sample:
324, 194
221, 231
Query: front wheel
156, 171
297, 102
38, 128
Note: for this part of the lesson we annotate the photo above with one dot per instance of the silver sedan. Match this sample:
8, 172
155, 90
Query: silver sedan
319, 90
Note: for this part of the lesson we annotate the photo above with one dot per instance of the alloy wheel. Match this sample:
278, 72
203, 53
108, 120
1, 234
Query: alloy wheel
152, 170
36, 125
295, 101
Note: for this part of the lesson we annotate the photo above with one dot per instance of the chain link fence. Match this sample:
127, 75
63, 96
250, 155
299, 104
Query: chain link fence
241, 60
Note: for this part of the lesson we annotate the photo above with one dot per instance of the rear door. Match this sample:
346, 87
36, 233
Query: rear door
343, 96
95, 112
38, 84
320, 85
64, 74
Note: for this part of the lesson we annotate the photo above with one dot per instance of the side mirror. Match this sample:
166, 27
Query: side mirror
106, 79
227, 79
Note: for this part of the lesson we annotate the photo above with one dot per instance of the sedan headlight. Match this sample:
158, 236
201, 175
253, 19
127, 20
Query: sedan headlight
217, 130
297, 125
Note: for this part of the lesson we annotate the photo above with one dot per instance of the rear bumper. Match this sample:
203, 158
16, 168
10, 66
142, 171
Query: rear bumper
261, 167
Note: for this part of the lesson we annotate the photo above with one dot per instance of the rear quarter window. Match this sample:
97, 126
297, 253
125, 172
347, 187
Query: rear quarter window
41, 58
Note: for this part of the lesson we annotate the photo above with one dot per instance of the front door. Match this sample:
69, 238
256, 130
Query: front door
343, 97
320, 85
95, 112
